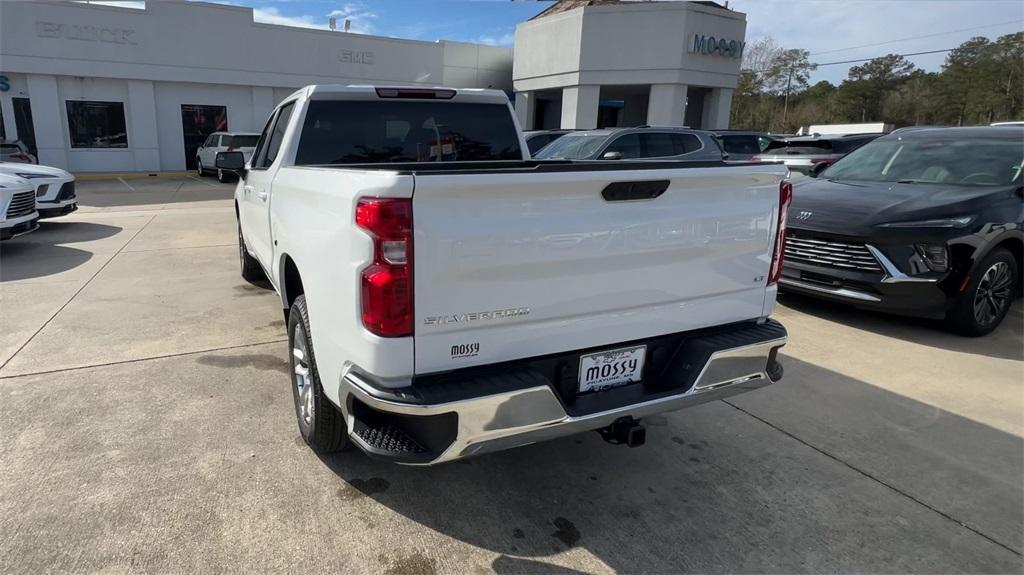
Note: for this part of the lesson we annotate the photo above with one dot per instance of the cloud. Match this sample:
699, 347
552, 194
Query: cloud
505, 39
355, 13
134, 4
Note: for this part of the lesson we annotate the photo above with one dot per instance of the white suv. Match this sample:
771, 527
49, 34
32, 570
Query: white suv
54, 187
18, 213
206, 155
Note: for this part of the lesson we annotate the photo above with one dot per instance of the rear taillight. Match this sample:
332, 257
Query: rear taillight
785, 198
826, 161
21, 156
386, 295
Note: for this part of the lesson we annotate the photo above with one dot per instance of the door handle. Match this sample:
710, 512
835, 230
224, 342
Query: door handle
262, 195
247, 190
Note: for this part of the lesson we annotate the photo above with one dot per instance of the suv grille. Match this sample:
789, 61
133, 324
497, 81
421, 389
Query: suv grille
830, 253
67, 191
22, 204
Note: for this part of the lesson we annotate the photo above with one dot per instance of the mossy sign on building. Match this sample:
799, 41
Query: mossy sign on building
722, 46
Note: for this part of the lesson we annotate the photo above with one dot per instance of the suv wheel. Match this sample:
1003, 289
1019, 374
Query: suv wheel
199, 168
223, 177
983, 305
251, 270
320, 424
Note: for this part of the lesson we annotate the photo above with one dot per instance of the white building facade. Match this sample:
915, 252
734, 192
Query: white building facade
95, 88
589, 63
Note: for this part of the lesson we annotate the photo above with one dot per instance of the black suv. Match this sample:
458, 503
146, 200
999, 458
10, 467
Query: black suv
925, 222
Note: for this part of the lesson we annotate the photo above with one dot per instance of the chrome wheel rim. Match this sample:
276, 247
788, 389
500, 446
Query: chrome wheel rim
993, 293
301, 376
220, 174
199, 169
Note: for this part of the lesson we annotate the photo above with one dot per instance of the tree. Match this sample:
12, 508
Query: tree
867, 84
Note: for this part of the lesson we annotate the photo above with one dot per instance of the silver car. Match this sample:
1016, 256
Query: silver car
206, 155
633, 144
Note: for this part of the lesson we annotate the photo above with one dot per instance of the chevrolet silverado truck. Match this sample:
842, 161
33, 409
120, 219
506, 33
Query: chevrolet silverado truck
447, 296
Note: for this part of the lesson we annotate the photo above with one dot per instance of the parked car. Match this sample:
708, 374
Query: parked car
634, 143
18, 213
544, 297
206, 155
16, 152
741, 145
55, 188
537, 139
925, 222
802, 153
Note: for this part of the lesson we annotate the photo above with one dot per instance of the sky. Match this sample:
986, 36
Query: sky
833, 30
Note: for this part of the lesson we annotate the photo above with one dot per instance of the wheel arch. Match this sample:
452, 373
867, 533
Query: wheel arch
290, 281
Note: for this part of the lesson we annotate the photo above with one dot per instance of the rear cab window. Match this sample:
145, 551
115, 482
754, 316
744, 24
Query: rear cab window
380, 132
241, 141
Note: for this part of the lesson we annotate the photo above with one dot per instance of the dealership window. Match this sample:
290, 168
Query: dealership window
97, 124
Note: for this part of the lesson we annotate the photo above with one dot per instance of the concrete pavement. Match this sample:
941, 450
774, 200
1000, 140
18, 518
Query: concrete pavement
148, 426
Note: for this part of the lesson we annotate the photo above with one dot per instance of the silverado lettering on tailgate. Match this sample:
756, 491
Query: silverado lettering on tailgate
476, 316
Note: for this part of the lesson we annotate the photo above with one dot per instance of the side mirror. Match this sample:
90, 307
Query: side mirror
233, 162
611, 156
818, 168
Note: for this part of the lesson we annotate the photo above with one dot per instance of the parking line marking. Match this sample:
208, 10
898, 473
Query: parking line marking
125, 184
876, 479
78, 291
139, 359
191, 177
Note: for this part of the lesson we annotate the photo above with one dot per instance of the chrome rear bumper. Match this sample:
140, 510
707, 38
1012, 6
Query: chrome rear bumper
524, 416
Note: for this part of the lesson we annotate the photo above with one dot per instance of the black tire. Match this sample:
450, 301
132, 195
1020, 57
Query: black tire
320, 424
224, 177
983, 305
251, 270
199, 168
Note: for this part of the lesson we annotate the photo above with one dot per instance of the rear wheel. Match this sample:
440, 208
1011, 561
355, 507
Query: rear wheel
983, 305
251, 270
320, 424
223, 177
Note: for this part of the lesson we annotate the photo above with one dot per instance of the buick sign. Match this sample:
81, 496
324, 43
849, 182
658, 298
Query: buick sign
722, 46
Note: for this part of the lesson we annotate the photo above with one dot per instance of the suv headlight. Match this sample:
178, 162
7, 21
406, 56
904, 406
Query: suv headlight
936, 257
957, 222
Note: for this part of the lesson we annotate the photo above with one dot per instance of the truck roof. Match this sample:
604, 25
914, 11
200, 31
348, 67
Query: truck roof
372, 92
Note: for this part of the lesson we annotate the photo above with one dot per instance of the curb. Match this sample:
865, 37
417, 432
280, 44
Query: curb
130, 175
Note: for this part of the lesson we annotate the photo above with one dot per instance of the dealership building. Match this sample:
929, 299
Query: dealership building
98, 88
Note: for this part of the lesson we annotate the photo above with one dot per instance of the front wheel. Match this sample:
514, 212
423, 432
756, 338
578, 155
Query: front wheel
320, 424
199, 168
983, 305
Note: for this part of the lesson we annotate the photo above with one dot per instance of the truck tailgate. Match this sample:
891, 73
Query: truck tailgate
515, 265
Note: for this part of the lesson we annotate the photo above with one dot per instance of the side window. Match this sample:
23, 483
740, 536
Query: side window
261, 145
209, 141
685, 143
628, 146
657, 145
763, 143
277, 135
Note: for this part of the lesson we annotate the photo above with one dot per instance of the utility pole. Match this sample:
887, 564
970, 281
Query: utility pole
785, 105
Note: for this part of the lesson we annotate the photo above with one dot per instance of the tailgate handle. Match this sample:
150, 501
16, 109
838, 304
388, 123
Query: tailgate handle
627, 191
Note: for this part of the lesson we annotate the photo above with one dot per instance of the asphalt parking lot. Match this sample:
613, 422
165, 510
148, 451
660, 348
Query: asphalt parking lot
147, 425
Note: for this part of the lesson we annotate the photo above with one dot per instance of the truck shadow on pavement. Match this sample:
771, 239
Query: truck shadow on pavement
38, 255
819, 473
1003, 343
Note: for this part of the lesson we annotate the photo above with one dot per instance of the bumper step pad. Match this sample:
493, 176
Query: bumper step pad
390, 439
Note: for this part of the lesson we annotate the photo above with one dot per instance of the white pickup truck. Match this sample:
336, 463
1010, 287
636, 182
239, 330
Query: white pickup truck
447, 296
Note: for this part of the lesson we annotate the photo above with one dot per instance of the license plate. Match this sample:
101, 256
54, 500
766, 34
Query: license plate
612, 368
